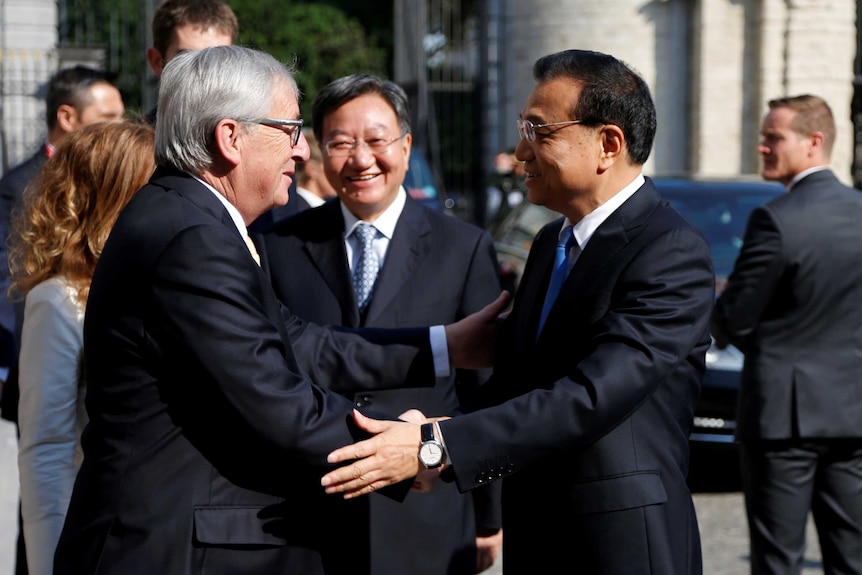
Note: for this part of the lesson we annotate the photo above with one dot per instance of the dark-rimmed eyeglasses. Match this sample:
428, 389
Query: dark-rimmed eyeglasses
527, 129
347, 147
293, 127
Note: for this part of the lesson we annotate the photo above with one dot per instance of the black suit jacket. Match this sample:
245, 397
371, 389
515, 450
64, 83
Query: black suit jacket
590, 421
12, 314
792, 305
206, 443
437, 270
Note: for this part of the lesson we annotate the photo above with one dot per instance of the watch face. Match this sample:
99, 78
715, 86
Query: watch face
431, 454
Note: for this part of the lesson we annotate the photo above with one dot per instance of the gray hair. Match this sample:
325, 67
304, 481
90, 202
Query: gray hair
200, 88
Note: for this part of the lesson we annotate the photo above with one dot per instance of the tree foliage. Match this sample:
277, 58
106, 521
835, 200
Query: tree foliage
321, 40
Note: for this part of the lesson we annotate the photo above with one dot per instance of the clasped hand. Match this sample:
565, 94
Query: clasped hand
392, 454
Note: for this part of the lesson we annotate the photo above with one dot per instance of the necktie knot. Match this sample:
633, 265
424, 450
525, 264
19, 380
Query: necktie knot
367, 264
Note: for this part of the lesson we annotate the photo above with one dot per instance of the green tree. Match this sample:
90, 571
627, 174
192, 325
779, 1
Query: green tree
320, 39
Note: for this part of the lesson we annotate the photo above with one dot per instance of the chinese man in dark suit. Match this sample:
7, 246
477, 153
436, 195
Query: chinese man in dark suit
598, 365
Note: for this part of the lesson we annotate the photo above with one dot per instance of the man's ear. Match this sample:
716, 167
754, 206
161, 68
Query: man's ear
815, 143
613, 143
67, 118
157, 63
228, 142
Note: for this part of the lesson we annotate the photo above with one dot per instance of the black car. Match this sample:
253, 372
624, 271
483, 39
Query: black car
720, 209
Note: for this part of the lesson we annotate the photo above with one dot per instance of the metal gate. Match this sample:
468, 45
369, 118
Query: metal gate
437, 61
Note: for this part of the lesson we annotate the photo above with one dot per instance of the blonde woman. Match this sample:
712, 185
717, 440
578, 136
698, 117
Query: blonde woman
68, 213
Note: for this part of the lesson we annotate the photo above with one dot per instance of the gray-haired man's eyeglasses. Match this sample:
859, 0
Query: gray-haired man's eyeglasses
294, 127
527, 129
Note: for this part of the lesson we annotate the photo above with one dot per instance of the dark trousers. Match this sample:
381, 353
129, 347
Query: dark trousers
20, 549
785, 479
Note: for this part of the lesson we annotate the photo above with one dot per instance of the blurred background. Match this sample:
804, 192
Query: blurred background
467, 67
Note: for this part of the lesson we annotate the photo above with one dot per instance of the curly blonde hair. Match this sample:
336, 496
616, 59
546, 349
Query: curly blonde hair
69, 208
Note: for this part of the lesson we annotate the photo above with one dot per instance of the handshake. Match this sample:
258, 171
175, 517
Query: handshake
392, 454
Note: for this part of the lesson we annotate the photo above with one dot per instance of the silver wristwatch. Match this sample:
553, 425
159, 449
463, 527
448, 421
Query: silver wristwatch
430, 450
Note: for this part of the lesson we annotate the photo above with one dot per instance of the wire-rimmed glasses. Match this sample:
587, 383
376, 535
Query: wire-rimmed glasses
527, 129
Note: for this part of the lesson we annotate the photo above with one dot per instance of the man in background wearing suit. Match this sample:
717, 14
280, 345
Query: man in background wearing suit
75, 97
207, 437
428, 268
598, 367
180, 25
792, 305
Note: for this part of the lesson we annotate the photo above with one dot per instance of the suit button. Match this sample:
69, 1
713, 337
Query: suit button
363, 401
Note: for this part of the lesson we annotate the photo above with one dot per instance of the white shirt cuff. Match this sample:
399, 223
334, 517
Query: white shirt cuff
440, 350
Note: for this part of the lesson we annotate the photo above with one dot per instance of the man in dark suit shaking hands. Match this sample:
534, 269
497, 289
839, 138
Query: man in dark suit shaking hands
589, 408
792, 305
206, 439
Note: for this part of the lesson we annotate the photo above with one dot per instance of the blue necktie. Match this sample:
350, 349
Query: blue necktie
367, 264
558, 276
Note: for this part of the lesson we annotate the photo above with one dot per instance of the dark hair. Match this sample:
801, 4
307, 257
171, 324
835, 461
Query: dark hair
200, 14
338, 92
611, 93
70, 87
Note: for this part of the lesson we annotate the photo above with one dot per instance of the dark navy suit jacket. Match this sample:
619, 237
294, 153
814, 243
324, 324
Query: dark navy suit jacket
588, 423
206, 440
792, 306
12, 314
437, 270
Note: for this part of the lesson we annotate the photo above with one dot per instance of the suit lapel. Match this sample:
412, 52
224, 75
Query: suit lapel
620, 228
327, 254
405, 252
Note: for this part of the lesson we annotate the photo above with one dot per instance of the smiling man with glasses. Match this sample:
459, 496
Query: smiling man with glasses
418, 266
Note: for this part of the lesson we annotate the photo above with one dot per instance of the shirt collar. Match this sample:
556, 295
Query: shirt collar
804, 173
585, 228
231, 209
313, 199
385, 224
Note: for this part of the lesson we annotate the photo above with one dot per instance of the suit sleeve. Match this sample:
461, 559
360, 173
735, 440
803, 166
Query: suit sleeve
657, 313
233, 382
752, 283
347, 361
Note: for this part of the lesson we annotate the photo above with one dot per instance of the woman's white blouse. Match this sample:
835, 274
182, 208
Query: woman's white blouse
51, 415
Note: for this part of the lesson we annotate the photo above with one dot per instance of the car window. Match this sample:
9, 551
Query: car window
721, 212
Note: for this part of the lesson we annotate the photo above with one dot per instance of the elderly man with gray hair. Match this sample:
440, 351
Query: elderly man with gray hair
207, 438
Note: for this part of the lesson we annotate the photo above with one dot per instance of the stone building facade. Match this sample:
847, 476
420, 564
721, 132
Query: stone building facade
711, 64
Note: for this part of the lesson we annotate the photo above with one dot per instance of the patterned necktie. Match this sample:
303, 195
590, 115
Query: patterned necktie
367, 264
558, 276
